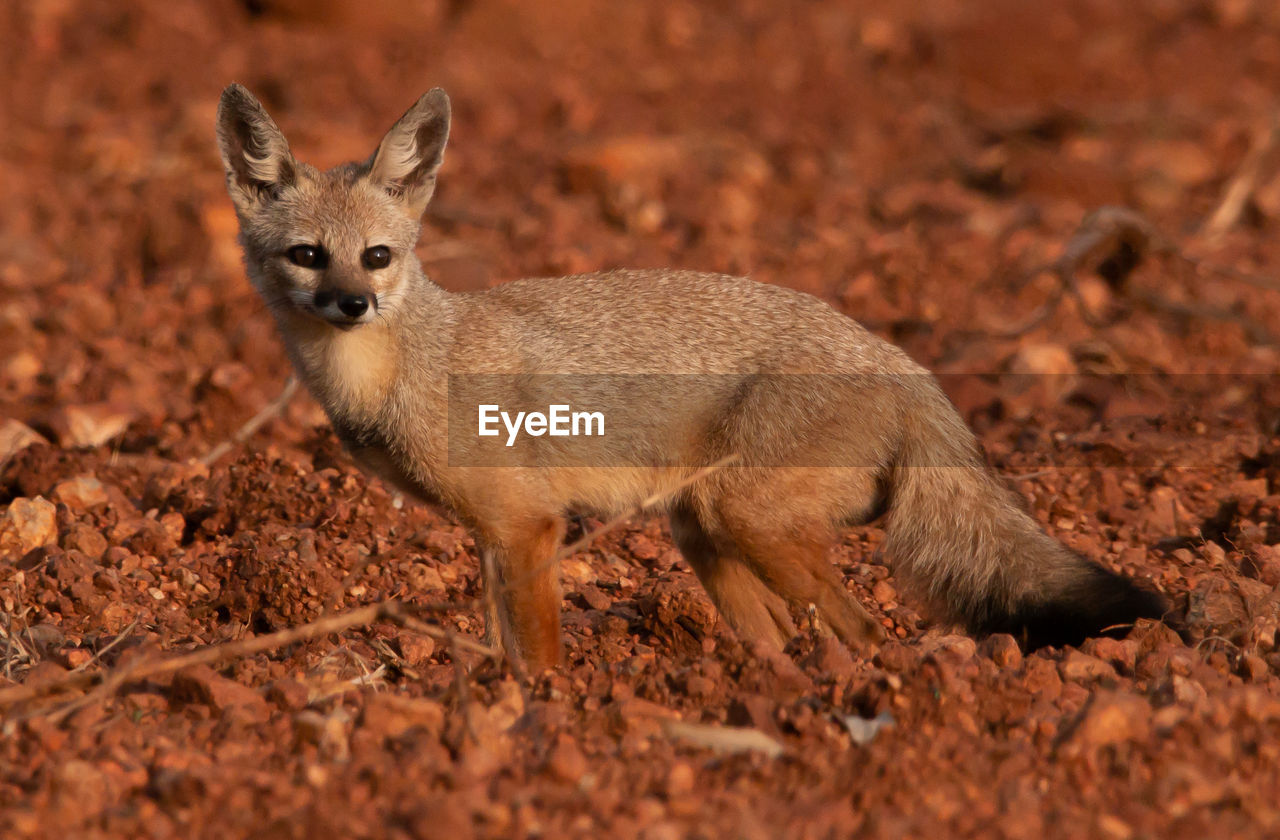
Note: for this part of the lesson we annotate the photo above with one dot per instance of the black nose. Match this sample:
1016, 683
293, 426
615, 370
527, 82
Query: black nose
353, 306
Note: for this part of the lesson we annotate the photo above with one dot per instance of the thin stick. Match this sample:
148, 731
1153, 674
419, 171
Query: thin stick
403, 619
117, 640
8, 646
270, 410
460, 685
586, 539
1255, 168
387, 610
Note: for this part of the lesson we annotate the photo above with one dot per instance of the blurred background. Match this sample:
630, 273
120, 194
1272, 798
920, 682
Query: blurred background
908, 162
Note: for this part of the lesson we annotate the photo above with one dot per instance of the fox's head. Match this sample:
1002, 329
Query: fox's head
336, 245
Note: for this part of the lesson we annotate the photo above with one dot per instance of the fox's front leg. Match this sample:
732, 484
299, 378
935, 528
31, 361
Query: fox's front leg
521, 577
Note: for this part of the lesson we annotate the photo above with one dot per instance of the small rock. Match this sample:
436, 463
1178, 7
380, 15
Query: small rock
1165, 719
1259, 704
1218, 607
288, 695
642, 548
26, 525
755, 711
633, 715
328, 732
204, 685
1264, 565
680, 780
1041, 678
80, 493
88, 426
1188, 692
1122, 654
884, 593
1253, 667
952, 647
895, 657
233, 377
1165, 513
390, 716
1043, 359
594, 597
1114, 827
15, 436
1081, 667
80, 790
566, 763
424, 578
85, 539
106, 580
1114, 718
45, 637
1002, 650
416, 649
1249, 488
73, 657
662, 830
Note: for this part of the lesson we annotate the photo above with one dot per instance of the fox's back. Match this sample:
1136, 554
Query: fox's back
662, 322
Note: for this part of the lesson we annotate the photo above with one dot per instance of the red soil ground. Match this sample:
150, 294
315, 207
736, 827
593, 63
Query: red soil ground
910, 163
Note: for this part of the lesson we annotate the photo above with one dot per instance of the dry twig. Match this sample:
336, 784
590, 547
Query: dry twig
662, 495
1259, 165
724, 739
109, 682
124, 634
270, 410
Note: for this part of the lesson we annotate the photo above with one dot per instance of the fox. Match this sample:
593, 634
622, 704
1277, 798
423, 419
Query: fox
380, 346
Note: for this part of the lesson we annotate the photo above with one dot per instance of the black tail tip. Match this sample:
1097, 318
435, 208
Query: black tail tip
1099, 603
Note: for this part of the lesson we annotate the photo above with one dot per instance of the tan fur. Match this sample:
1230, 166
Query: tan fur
745, 363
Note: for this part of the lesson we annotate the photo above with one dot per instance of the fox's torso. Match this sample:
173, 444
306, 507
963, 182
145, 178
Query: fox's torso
664, 334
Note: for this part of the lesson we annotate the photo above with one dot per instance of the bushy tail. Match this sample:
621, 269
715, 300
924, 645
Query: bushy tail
964, 541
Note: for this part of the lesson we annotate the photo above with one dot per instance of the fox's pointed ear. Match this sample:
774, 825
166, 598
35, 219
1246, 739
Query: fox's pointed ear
254, 151
407, 158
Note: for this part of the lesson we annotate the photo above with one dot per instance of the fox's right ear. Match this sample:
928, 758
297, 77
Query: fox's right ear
254, 151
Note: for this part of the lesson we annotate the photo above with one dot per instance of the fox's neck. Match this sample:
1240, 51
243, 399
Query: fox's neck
354, 373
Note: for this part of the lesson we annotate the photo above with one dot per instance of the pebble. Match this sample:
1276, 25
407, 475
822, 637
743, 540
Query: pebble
16, 436
566, 763
1114, 718
80, 493
1080, 667
1002, 650
204, 685
26, 525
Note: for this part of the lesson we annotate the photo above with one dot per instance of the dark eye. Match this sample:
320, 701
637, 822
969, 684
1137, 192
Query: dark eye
379, 256
306, 256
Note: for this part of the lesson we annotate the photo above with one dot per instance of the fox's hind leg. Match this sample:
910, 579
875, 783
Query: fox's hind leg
794, 564
753, 611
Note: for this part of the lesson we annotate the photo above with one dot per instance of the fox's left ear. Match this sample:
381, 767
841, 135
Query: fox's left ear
407, 158
254, 151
